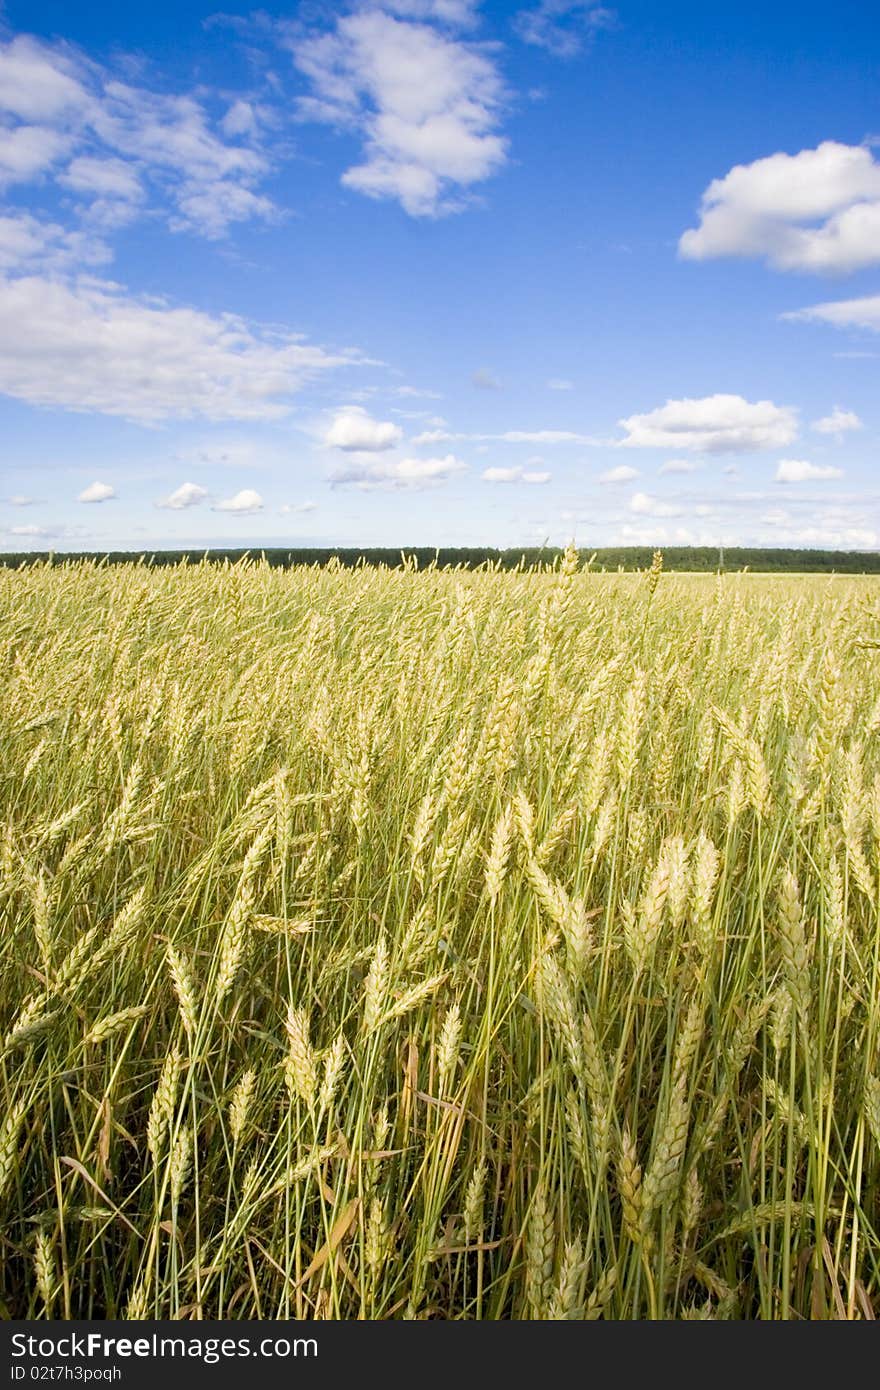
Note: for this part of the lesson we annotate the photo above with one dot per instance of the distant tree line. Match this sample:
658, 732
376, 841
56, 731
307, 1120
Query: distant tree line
700, 558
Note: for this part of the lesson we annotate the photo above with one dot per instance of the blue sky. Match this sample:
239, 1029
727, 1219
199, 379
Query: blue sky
438, 272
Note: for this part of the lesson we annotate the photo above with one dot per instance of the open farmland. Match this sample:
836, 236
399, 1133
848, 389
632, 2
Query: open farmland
398, 944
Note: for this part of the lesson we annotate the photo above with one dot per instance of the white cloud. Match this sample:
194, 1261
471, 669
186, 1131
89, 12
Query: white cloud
298, 508
622, 474
678, 466
558, 383
653, 534
37, 83
562, 27
27, 151
453, 12
32, 532
501, 475
20, 501
515, 475
90, 347
838, 422
29, 244
425, 105
542, 437
650, 506
211, 207
102, 178
97, 492
439, 436
713, 425
851, 537
840, 526
245, 503
37, 532
171, 137
396, 474
353, 430
843, 313
510, 437
801, 471
241, 119
417, 391
187, 495
124, 140
818, 210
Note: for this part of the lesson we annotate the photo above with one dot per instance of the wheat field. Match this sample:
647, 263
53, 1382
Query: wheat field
394, 944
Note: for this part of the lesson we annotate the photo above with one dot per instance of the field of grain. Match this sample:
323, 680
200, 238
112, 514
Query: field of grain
397, 944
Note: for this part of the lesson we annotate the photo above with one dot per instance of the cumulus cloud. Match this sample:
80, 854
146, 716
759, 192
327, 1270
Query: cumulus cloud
245, 503
425, 105
843, 313
58, 531
27, 152
187, 495
211, 207
397, 474
501, 475
813, 512
678, 466
562, 27
838, 422
842, 524
850, 537
102, 178
172, 137
713, 425
515, 475
97, 492
29, 243
438, 436
643, 503
124, 142
653, 534
91, 347
354, 430
241, 119
37, 532
818, 211
38, 83
801, 471
622, 474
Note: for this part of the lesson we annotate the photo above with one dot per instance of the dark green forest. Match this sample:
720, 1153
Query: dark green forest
704, 559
